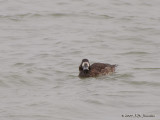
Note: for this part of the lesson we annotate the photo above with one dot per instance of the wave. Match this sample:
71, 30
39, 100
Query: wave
134, 53
146, 83
31, 15
147, 68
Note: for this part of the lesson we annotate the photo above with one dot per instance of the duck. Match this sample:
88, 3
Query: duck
95, 70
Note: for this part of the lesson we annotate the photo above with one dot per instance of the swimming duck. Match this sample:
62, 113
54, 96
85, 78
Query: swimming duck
94, 70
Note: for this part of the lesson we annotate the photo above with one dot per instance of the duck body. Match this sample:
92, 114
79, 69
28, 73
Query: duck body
94, 70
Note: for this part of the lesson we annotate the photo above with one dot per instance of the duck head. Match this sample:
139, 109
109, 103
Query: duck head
84, 66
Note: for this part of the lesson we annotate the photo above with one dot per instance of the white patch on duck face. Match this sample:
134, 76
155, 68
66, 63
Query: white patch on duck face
85, 63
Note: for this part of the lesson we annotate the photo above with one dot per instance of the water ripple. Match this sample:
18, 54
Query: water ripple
57, 15
134, 53
145, 83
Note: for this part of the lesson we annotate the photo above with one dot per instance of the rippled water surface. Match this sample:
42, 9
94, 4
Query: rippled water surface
42, 43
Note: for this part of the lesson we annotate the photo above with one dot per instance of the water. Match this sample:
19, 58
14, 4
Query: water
43, 42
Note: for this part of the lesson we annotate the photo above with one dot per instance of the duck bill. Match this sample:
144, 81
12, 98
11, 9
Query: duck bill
85, 68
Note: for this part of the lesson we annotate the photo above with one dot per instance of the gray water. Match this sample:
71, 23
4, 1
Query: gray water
42, 43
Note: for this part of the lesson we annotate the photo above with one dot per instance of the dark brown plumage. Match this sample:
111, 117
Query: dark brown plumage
94, 70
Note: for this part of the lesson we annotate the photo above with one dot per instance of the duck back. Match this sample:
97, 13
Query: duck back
102, 68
